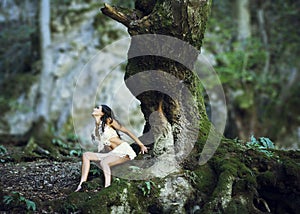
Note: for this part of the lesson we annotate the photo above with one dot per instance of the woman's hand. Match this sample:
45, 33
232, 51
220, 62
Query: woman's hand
144, 149
116, 125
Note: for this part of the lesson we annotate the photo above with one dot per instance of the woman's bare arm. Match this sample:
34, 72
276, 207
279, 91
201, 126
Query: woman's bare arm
121, 128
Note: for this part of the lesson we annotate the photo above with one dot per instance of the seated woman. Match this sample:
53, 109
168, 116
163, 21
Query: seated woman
106, 134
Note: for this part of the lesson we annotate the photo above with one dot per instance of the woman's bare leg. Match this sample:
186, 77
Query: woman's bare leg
105, 164
87, 157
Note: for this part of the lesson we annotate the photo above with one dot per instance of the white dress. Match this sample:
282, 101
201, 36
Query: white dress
121, 150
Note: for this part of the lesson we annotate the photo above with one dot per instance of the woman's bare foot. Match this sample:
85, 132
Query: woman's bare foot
78, 188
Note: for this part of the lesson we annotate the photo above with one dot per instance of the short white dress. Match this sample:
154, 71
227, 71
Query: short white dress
121, 150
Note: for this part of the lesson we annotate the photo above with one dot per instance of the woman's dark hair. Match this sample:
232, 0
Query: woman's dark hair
108, 117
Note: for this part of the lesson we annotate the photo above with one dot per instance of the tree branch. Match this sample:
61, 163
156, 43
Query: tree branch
113, 13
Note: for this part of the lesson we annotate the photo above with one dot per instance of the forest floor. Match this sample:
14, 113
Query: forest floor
49, 183
40, 180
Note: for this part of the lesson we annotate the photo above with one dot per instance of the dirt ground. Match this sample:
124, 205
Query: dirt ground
41, 180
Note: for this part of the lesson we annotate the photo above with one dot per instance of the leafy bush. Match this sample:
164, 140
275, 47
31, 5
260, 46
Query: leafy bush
3, 150
59, 143
16, 199
146, 188
262, 144
74, 152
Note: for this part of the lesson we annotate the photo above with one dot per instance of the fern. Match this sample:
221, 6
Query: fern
15, 199
30, 205
261, 145
74, 152
147, 188
7, 199
3, 150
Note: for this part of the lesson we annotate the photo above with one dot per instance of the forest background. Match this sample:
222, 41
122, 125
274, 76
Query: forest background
254, 50
45, 55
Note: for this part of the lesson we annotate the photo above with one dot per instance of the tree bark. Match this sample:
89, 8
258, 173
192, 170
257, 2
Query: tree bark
46, 77
40, 135
183, 20
237, 178
243, 18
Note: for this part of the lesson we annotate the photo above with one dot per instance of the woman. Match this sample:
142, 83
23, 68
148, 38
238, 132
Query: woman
106, 135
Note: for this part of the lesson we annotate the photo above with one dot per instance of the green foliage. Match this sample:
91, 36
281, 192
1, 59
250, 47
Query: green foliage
240, 65
146, 187
107, 30
68, 147
72, 137
16, 56
12, 88
15, 35
121, 3
3, 150
241, 62
69, 208
74, 152
120, 181
259, 75
60, 143
262, 144
16, 199
61, 2
95, 171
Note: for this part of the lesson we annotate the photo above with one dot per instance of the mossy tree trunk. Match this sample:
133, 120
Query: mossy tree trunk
237, 179
182, 20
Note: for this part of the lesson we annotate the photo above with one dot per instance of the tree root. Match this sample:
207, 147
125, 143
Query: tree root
222, 193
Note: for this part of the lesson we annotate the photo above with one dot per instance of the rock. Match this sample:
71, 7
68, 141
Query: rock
174, 195
75, 43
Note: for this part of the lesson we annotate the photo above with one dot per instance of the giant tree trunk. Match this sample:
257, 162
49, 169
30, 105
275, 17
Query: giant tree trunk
237, 179
159, 70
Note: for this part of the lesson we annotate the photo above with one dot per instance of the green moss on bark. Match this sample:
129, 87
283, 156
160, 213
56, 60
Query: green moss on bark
205, 179
120, 197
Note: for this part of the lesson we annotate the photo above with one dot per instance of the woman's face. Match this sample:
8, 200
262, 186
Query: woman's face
97, 111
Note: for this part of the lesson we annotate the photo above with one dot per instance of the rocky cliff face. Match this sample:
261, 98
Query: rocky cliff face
84, 73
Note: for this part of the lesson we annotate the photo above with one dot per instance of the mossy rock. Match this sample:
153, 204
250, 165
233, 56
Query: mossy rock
121, 197
117, 196
292, 168
267, 178
236, 207
205, 179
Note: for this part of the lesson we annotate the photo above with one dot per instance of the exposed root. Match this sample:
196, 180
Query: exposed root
261, 200
223, 192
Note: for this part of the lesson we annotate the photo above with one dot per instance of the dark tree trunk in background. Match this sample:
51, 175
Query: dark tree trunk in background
237, 179
40, 135
46, 78
245, 119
